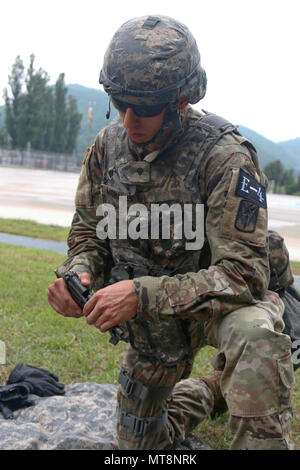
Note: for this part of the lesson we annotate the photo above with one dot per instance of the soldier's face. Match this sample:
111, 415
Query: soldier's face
141, 129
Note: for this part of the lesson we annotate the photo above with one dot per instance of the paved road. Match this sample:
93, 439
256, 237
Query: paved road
43, 196
48, 197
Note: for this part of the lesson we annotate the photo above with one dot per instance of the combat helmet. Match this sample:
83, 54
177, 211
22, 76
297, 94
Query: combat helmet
154, 60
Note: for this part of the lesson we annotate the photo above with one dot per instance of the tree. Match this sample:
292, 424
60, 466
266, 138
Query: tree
40, 117
59, 142
3, 137
38, 106
74, 119
13, 108
288, 181
275, 171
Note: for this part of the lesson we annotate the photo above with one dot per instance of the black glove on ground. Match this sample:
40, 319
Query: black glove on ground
41, 382
13, 397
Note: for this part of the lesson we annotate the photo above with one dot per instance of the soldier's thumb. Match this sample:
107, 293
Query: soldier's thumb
85, 279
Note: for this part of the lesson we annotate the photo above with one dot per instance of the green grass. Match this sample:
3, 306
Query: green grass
32, 229
35, 334
295, 268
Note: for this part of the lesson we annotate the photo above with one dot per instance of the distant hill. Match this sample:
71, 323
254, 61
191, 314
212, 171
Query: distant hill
269, 151
292, 148
288, 152
86, 98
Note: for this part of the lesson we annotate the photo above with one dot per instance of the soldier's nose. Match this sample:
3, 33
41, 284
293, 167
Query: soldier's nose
130, 119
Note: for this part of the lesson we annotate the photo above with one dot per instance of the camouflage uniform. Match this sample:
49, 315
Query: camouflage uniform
215, 295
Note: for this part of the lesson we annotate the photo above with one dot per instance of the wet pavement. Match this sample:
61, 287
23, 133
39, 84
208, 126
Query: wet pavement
37, 243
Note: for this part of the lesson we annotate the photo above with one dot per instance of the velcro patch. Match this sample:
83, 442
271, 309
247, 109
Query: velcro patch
86, 155
247, 216
248, 188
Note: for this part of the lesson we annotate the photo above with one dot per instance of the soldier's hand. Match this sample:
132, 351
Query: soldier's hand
111, 306
60, 299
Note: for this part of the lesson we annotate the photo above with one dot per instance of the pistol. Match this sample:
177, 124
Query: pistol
81, 294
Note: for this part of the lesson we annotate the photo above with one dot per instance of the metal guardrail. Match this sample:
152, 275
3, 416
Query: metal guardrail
42, 160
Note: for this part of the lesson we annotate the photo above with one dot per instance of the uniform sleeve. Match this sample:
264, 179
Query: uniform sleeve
236, 230
87, 252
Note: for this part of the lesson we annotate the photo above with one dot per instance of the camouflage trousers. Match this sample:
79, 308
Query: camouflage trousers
256, 380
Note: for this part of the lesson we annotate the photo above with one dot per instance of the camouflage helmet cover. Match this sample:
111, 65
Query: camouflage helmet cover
153, 60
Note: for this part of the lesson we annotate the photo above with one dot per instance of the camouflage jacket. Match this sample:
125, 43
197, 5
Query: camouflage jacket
217, 168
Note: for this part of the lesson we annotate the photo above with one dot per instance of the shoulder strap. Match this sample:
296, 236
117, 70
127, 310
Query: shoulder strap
217, 122
218, 127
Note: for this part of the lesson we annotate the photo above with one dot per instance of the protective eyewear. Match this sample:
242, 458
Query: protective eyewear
139, 110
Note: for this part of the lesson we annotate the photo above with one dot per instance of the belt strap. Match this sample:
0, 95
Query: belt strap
142, 426
135, 387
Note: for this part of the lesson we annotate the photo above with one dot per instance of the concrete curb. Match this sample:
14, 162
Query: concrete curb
37, 243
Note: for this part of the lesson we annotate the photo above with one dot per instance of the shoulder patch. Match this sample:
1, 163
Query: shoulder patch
248, 188
246, 216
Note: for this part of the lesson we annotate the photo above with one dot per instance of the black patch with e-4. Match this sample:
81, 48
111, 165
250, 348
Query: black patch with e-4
248, 188
246, 216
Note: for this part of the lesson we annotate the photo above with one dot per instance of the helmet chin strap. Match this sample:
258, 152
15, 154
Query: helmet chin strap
172, 116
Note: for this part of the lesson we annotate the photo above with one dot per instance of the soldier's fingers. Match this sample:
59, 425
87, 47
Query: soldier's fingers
90, 305
63, 303
93, 316
105, 326
99, 324
106, 320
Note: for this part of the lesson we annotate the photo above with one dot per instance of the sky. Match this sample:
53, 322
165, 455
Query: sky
250, 50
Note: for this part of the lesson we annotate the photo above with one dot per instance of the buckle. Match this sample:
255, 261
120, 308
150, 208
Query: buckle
140, 426
134, 423
127, 382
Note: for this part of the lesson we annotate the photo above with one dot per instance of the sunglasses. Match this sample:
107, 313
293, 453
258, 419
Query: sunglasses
139, 110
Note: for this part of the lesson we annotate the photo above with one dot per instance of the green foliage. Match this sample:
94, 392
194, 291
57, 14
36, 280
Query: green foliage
73, 126
60, 115
275, 171
36, 115
284, 180
98, 101
295, 268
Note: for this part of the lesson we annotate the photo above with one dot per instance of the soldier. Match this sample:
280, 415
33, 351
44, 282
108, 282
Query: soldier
171, 300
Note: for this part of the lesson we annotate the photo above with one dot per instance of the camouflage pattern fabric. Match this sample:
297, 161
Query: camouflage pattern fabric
257, 374
173, 70
84, 418
281, 272
256, 380
228, 274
